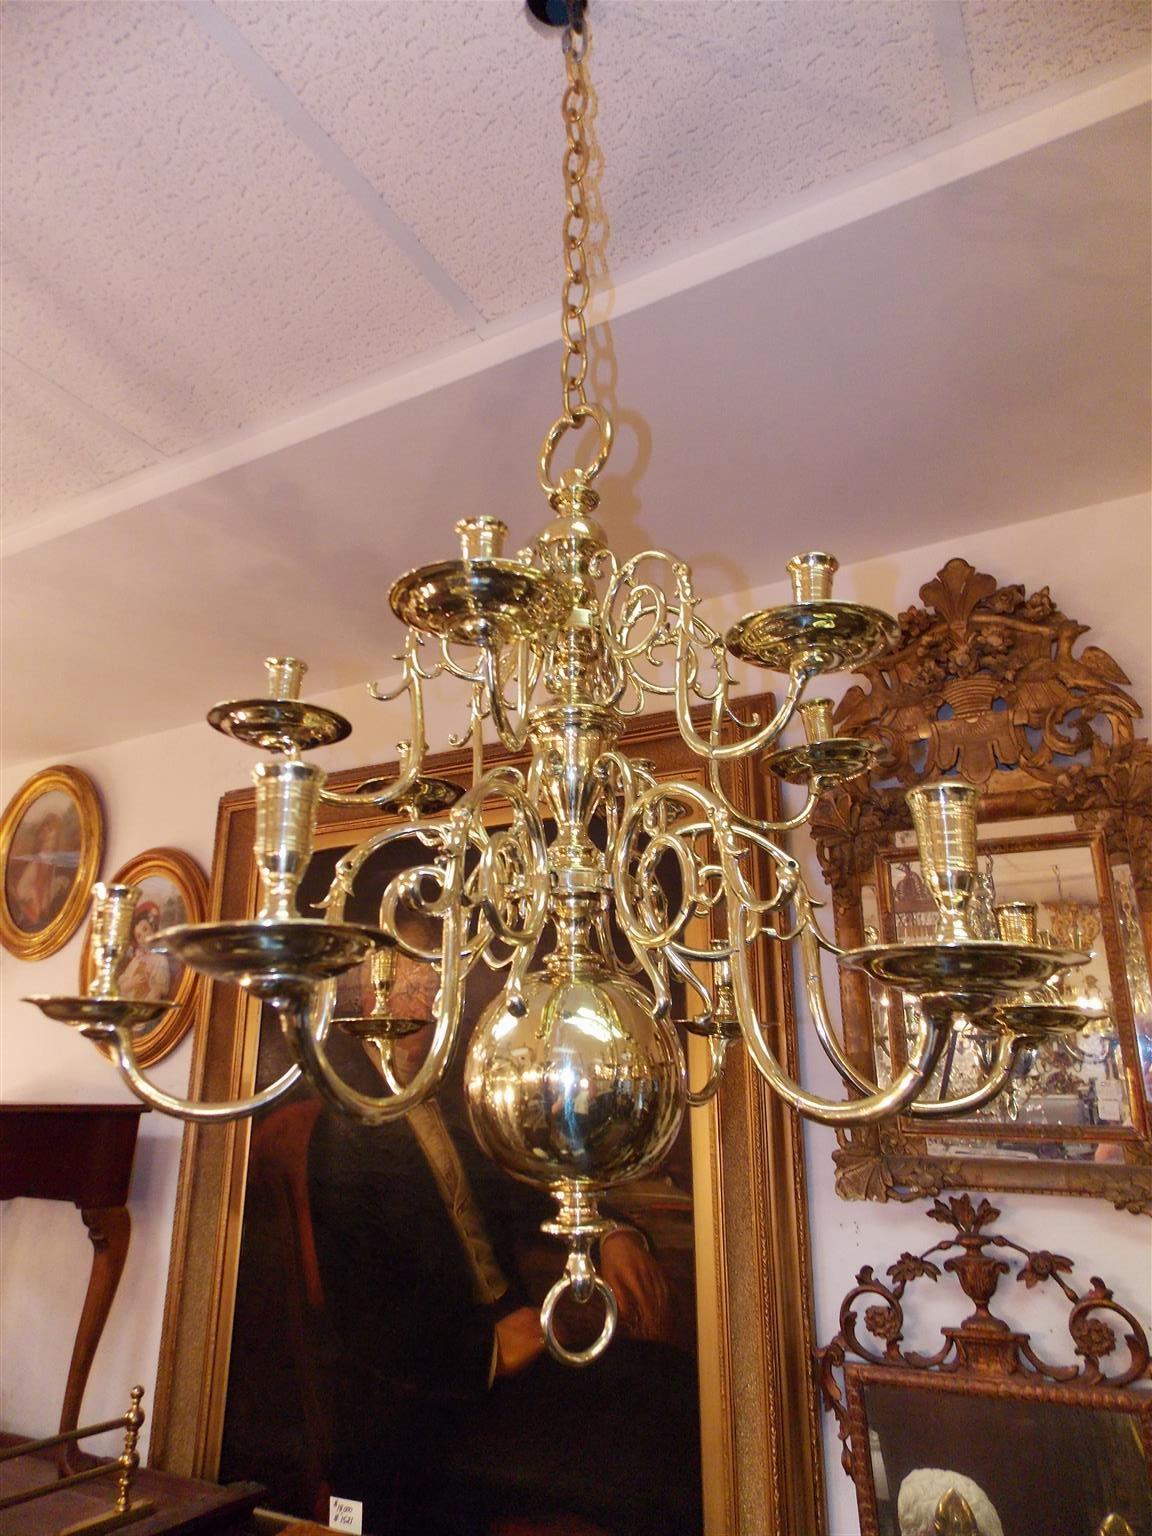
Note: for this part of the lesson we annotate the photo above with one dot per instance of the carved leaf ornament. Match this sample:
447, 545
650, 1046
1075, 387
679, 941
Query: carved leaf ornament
983, 1346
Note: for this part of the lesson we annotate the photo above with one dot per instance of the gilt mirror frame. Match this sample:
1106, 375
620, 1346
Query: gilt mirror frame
952, 1410
759, 1402
986, 684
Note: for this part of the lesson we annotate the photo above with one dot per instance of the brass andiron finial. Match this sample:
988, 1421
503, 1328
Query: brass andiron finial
1115, 1525
954, 1516
944, 815
129, 1459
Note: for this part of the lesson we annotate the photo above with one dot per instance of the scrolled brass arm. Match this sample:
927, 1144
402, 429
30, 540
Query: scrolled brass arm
878, 1105
372, 1109
707, 746
193, 1111
412, 751
744, 920
717, 1059
454, 956
928, 1109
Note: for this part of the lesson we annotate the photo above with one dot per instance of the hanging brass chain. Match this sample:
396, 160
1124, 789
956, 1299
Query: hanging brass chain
573, 326
573, 329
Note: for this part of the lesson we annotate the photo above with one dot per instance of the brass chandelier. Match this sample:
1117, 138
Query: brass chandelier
588, 892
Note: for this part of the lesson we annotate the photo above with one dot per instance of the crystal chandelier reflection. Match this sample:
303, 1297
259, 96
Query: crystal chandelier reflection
589, 891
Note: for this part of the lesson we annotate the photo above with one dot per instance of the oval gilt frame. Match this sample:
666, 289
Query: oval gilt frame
185, 874
80, 789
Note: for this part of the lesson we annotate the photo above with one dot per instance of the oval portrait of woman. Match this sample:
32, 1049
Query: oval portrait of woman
51, 839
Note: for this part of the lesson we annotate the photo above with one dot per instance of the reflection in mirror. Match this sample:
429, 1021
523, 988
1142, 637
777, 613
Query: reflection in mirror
1084, 1082
1070, 1467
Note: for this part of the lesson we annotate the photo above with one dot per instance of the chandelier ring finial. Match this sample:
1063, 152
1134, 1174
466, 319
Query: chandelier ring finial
566, 1282
575, 418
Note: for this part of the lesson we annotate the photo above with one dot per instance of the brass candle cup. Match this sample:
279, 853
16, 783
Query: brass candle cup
113, 908
287, 799
811, 575
1016, 922
944, 816
816, 717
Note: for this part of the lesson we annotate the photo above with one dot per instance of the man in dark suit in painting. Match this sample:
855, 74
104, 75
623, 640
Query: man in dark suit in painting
442, 1410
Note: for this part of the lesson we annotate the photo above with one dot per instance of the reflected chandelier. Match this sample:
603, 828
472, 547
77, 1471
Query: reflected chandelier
588, 892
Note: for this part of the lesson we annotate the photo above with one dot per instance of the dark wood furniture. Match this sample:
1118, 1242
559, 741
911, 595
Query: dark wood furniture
182, 1506
80, 1153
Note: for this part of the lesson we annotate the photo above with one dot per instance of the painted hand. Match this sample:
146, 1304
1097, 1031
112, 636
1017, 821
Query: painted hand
519, 1341
639, 1286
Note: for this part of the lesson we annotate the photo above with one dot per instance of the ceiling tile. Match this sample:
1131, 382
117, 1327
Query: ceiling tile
173, 255
54, 447
1021, 46
708, 114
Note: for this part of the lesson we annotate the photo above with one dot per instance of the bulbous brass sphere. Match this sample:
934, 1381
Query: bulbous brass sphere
585, 1086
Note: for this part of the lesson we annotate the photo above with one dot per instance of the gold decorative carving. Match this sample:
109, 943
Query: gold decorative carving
983, 1356
995, 686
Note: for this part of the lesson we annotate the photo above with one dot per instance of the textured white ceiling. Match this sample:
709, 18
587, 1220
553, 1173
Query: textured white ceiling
1020, 46
967, 358
173, 255
216, 213
708, 113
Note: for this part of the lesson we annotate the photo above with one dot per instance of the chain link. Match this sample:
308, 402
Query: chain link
573, 328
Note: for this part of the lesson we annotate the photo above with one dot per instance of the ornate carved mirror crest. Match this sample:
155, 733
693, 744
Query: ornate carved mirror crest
987, 684
1008, 1444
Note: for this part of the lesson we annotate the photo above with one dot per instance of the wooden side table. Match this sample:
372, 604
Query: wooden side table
81, 1153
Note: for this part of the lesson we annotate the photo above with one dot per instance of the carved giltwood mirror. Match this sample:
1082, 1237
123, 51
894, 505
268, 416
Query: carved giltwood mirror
988, 684
986, 1433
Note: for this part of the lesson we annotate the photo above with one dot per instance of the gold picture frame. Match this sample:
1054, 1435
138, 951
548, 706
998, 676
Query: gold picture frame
185, 901
45, 892
759, 1420
930, 1427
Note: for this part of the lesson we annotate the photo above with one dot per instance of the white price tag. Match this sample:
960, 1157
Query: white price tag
346, 1515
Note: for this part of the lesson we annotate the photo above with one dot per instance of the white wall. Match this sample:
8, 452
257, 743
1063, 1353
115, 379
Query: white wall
163, 790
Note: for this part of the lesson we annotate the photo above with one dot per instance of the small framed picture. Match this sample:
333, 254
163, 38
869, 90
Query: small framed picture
51, 843
173, 889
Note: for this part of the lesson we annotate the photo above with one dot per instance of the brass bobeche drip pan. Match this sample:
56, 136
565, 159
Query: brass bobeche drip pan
1036, 1020
822, 755
482, 598
98, 1017
263, 954
975, 967
99, 1013
816, 633
381, 1023
427, 797
280, 723
840, 757
370, 1026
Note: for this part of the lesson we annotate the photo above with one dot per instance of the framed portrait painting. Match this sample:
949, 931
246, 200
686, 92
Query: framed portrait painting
173, 889
401, 1363
51, 843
